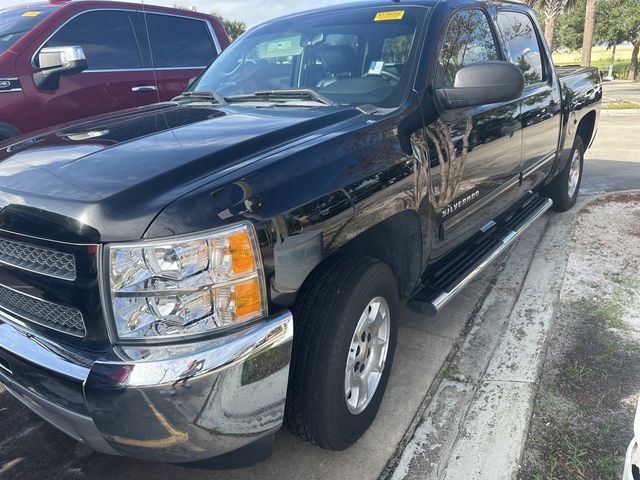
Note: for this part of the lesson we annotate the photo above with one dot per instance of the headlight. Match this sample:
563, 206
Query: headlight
185, 286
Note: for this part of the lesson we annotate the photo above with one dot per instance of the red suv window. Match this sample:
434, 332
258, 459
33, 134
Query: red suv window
106, 37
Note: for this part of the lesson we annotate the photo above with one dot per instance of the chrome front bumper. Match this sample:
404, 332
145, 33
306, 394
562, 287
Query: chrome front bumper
172, 404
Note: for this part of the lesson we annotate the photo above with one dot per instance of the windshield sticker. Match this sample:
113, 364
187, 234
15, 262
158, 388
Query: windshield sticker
393, 15
376, 68
31, 14
282, 47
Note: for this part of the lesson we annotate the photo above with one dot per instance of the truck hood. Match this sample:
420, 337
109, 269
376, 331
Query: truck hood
105, 179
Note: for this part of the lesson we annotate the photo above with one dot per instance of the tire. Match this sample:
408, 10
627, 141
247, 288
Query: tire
561, 190
330, 306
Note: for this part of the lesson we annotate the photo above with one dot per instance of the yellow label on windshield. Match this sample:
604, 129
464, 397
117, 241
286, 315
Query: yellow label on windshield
393, 15
30, 14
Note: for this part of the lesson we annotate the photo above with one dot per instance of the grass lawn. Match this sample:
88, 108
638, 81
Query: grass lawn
621, 106
600, 58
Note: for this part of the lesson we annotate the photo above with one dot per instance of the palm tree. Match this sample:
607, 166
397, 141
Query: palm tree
589, 28
552, 10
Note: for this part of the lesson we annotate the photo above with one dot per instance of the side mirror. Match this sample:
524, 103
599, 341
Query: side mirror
483, 83
54, 62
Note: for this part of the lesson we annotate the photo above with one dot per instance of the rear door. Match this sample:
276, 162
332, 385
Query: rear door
181, 49
475, 153
541, 109
117, 77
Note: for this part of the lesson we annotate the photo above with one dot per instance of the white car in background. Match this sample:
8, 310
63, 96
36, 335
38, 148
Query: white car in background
632, 462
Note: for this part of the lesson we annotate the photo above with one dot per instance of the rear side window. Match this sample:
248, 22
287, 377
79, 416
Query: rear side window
522, 45
178, 42
106, 37
468, 40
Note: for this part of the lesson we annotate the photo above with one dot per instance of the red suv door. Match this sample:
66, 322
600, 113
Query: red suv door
181, 48
114, 76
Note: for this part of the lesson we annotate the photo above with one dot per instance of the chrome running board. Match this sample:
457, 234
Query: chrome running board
459, 268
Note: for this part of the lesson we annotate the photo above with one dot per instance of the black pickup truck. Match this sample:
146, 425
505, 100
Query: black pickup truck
177, 281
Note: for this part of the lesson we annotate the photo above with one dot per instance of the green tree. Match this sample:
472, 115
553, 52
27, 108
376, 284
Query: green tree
611, 29
234, 28
619, 21
549, 12
569, 34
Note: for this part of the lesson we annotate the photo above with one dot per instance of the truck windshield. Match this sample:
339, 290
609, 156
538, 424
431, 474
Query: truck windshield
17, 22
353, 57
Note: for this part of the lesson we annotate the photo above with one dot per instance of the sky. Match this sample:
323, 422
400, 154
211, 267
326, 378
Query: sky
252, 12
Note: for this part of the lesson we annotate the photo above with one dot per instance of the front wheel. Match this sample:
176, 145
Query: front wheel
343, 349
563, 190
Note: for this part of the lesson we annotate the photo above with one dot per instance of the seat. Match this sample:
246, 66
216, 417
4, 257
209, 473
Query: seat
339, 62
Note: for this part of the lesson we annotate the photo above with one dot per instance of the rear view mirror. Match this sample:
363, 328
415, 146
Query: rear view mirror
54, 62
483, 83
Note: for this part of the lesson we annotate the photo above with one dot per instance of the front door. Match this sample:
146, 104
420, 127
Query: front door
475, 153
541, 110
117, 77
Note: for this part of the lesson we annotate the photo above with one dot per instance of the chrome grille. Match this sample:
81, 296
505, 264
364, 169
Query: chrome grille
47, 314
39, 260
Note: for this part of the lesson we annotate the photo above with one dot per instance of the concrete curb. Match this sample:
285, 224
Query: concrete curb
476, 424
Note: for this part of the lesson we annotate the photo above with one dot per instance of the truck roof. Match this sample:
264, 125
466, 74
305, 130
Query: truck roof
351, 4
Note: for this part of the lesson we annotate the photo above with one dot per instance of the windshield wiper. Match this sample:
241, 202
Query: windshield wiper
288, 94
201, 95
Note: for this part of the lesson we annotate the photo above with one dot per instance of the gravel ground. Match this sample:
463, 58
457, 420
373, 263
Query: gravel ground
585, 405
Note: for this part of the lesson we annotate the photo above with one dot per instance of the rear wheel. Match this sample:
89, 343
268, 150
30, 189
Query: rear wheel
343, 349
565, 187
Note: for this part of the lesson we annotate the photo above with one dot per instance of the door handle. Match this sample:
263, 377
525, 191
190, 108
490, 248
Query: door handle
144, 88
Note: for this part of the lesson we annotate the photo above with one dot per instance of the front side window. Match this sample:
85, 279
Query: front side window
178, 42
15, 23
359, 56
468, 40
106, 37
522, 45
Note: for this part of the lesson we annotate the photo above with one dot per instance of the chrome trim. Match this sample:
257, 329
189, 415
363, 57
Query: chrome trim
441, 300
144, 89
537, 166
187, 291
488, 226
460, 215
34, 319
178, 403
70, 276
162, 69
168, 403
47, 240
212, 32
12, 79
39, 351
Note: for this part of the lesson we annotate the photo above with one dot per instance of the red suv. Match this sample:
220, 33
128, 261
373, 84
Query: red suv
62, 61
